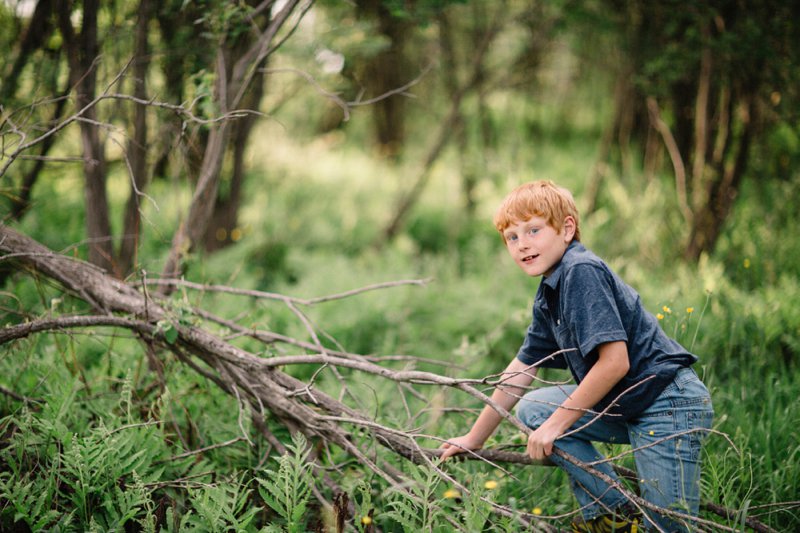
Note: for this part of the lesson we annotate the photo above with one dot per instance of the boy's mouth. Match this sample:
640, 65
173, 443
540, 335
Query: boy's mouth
529, 258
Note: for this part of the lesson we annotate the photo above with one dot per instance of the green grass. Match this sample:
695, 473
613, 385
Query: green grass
308, 231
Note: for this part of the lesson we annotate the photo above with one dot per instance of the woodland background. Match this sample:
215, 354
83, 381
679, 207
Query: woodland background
248, 261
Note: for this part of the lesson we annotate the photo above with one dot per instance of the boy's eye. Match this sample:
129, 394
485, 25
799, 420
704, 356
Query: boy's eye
533, 231
511, 238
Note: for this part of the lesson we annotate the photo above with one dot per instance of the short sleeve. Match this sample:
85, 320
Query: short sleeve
593, 315
539, 344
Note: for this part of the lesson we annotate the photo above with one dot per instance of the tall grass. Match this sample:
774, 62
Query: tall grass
102, 444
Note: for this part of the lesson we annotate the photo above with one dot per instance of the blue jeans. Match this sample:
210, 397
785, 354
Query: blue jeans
666, 439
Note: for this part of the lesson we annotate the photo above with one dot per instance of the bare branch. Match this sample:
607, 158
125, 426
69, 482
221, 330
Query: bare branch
19, 397
675, 155
282, 297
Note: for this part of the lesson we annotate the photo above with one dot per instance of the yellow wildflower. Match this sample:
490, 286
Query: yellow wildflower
537, 511
746, 263
690, 310
652, 432
366, 520
666, 309
451, 494
490, 485
660, 316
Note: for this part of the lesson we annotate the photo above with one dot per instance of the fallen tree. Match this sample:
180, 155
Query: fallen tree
258, 381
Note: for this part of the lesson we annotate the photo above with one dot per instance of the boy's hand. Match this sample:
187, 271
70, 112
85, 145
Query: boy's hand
540, 442
459, 445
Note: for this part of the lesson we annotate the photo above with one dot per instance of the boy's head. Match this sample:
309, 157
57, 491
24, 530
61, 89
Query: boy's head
541, 198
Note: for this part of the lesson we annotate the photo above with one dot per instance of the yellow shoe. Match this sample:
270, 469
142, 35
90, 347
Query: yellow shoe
625, 520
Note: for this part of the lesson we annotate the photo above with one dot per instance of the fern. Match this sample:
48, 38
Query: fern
103, 474
475, 511
415, 508
363, 505
287, 490
30, 500
220, 508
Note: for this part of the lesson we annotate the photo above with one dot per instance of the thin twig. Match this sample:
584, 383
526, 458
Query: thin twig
200, 450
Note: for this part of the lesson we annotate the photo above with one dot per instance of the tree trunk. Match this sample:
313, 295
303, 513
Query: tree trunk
137, 147
722, 189
230, 91
191, 230
176, 68
21, 202
82, 51
447, 128
223, 227
450, 76
385, 72
39, 29
619, 128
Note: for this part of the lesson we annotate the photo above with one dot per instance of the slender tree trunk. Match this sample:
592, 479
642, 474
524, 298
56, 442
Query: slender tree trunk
22, 201
385, 72
447, 128
82, 52
722, 191
450, 75
230, 91
137, 148
224, 223
39, 29
618, 128
192, 230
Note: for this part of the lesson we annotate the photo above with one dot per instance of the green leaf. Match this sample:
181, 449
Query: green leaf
170, 334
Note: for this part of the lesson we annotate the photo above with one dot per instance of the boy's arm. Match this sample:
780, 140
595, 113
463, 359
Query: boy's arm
507, 397
611, 366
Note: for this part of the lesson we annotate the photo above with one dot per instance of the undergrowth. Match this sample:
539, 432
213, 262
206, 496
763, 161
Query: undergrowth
100, 443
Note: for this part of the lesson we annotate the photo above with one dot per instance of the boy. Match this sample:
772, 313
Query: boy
634, 384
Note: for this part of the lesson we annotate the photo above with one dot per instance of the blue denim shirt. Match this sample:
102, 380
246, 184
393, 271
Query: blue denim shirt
583, 304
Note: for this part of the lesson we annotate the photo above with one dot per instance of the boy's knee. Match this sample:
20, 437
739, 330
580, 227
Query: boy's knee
537, 406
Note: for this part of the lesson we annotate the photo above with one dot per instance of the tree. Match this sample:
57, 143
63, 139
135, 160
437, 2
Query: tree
82, 50
706, 79
470, 72
232, 81
387, 70
137, 146
239, 39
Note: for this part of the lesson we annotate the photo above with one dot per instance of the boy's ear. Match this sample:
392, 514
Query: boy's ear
569, 228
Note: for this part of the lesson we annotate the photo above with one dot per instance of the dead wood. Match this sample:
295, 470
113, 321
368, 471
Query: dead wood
257, 381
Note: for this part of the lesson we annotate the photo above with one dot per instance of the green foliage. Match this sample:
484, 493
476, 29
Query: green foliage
414, 506
364, 509
476, 511
99, 476
96, 450
29, 501
287, 490
220, 507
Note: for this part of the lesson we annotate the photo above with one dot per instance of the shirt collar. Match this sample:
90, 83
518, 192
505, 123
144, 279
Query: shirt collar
553, 279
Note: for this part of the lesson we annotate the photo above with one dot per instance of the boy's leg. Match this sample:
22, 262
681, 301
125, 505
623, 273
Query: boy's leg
666, 440
594, 495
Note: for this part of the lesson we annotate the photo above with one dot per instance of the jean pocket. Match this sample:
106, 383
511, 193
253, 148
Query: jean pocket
686, 390
698, 421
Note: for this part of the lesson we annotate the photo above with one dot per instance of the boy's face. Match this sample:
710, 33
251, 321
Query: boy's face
536, 246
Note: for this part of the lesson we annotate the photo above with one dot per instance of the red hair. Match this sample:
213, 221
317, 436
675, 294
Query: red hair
537, 198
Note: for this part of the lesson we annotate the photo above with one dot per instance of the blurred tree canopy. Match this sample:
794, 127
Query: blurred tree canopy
706, 91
